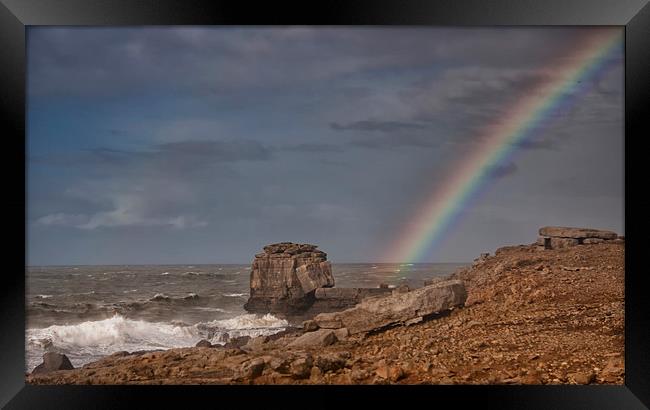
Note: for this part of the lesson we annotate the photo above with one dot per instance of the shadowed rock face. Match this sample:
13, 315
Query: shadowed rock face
285, 276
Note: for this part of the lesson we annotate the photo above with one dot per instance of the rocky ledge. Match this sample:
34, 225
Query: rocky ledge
531, 316
558, 237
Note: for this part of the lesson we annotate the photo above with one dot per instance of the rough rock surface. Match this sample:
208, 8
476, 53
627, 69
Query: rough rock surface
531, 317
401, 307
53, 362
321, 337
558, 237
577, 233
285, 276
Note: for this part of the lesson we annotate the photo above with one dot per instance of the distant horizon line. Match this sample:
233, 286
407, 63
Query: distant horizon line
234, 263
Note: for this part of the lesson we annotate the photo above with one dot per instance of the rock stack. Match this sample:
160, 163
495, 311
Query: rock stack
285, 276
558, 237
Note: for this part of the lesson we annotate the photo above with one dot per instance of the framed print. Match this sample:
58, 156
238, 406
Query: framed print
404, 201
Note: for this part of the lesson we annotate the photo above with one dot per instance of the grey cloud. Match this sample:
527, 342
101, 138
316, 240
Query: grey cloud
110, 61
313, 148
375, 125
504, 170
394, 141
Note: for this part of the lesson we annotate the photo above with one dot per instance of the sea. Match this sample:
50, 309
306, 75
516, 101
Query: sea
88, 312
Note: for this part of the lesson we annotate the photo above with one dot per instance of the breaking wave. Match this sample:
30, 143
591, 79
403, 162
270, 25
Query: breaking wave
89, 341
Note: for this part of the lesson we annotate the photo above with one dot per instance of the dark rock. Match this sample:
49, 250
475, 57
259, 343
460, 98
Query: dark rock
53, 362
203, 343
252, 369
237, 342
329, 363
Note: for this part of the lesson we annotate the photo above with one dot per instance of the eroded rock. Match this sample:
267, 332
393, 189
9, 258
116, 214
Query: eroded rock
284, 278
378, 312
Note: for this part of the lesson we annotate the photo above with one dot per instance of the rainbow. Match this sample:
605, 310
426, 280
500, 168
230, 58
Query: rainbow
499, 141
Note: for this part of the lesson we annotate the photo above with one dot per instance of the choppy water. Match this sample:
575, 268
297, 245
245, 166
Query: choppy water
88, 312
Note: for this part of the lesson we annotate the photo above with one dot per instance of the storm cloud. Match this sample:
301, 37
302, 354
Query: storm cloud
201, 145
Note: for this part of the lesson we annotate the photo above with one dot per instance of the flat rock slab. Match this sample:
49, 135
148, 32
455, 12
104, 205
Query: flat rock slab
322, 337
377, 312
577, 233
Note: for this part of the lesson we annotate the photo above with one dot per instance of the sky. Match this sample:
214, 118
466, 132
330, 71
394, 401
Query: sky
165, 145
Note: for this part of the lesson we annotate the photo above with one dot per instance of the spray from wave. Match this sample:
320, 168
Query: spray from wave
89, 341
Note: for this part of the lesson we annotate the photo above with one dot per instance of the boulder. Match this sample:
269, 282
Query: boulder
301, 367
592, 240
329, 362
321, 337
309, 325
283, 278
255, 343
576, 233
53, 362
377, 312
203, 343
252, 369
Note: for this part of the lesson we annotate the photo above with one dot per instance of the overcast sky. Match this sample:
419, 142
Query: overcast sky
201, 145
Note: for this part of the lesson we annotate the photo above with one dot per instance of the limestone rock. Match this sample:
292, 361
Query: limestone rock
378, 312
321, 337
576, 233
284, 278
342, 334
592, 240
53, 362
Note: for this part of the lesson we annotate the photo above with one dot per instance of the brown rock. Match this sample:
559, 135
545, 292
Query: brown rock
284, 277
301, 367
561, 243
342, 334
253, 369
53, 362
582, 377
309, 325
576, 233
321, 337
329, 362
378, 312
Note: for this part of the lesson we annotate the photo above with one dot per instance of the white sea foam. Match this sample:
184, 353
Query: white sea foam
165, 273
89, 341
43, 296
235, 295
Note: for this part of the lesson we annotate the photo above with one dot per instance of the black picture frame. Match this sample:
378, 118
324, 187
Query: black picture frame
15, 15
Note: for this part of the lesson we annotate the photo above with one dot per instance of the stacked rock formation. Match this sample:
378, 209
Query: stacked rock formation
285, 276
558, 237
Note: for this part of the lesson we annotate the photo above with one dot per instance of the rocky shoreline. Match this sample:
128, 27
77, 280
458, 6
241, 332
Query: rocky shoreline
530, 314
